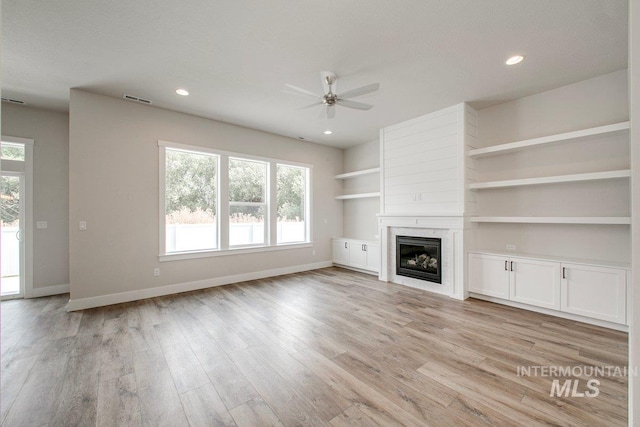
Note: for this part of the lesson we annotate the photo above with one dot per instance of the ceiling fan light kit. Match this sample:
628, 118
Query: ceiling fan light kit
330, 99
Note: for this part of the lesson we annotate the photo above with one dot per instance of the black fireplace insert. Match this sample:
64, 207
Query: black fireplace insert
419, 257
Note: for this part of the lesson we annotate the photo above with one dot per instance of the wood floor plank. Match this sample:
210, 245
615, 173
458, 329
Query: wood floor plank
290, 407
255, 412
325, 347
204, 407
14, 375
78, 398
118, 404
36, 403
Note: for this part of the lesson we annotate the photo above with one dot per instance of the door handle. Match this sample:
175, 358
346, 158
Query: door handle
19, 235
564, 272
511, 265
345, 245
506, 263
364, 248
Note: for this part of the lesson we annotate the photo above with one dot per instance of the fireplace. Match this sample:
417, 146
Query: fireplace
419, 257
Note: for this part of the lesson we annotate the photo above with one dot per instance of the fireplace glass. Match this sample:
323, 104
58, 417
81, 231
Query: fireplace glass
419, 257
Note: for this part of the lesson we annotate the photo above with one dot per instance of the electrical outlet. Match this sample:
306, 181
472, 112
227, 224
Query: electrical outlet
41, 224
511, 247
83, 225
156, 272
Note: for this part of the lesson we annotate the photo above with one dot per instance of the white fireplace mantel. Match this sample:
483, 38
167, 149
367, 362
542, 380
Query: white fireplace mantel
448, 221
449, 228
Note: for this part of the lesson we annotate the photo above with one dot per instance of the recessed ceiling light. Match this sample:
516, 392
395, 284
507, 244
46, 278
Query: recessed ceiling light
327, 132
182, 92
515, 59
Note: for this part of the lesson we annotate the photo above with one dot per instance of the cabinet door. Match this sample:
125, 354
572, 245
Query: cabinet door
357, 255
373, 257
535, 282
596, 292
489, 275
340, 251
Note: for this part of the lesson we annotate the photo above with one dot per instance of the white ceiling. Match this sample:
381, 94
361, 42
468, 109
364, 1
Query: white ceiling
235, 56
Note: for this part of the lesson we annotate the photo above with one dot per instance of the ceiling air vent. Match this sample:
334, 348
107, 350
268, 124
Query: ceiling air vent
13, 101
136, 99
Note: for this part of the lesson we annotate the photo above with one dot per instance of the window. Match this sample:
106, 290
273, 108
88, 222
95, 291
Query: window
247, 202
292, 189
190, 201
216, 202
12, 151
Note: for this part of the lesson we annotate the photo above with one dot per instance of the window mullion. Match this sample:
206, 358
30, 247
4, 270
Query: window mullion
223, 202
163, 203
272, 204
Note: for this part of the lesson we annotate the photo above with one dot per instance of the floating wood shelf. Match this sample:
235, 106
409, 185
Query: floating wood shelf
603, 220
357, 173
551, 139
358, 196
592, 176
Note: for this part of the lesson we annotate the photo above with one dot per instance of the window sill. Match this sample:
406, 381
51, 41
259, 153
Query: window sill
237, 251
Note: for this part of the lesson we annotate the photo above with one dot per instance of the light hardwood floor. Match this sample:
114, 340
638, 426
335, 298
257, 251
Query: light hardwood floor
328, 347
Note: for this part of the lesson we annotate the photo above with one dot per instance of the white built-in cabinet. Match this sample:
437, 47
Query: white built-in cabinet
595, 292
358, 254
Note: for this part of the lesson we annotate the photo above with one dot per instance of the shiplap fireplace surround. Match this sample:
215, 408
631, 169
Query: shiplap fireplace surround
424, 177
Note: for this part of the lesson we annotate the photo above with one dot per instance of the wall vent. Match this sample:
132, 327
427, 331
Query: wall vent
136, 99
13, 101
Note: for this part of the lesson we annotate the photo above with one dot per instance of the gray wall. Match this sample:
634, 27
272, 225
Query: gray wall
50, 132
114, 185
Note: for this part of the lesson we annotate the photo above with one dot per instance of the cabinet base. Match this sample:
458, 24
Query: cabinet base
359, 270
569, 316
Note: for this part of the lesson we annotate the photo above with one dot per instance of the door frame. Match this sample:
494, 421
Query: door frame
25, 168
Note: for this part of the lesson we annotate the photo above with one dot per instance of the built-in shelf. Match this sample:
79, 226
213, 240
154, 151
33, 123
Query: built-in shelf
604, 220
357, 173
592, 176
358, 196
551, 139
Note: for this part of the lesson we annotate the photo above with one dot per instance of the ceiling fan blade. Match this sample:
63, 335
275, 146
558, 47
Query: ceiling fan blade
300, 91
315, 104
354, 104
360, 91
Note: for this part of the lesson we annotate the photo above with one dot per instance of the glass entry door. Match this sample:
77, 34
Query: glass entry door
12, 224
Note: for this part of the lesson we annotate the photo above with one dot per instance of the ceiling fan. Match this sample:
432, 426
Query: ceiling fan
330, 99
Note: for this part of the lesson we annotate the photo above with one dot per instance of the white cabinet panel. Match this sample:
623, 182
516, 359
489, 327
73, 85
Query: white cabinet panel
535, 282
340, 251
596, 292
373, 257
489, 275
357, 255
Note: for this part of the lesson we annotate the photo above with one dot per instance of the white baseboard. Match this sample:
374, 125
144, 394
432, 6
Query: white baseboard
102, 300
49, 290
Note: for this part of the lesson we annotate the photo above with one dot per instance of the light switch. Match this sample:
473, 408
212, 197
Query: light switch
41, 224
83, 225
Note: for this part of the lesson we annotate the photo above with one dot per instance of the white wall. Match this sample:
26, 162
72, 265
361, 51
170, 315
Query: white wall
113, 177
50, 132
594, 102
360, 220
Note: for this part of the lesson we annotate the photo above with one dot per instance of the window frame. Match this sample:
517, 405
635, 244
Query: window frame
223, 204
